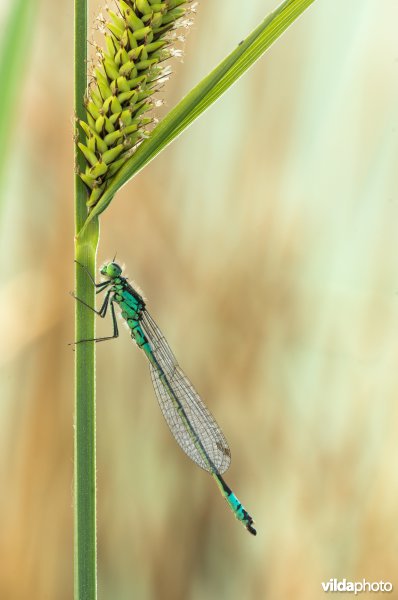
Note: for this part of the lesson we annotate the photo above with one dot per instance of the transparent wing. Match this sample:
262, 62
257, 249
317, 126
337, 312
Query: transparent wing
202, 421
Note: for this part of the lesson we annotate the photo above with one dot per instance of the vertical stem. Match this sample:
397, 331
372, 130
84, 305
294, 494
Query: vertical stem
85, 460
85, 549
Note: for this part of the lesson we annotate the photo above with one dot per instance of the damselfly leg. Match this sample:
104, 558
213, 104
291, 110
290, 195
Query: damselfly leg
101, 286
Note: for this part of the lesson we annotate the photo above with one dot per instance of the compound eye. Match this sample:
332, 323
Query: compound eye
116, 269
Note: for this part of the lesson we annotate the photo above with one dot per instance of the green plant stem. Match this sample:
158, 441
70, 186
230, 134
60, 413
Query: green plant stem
85, 551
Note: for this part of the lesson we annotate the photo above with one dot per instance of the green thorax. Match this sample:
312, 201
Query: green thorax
132, 304
130, 301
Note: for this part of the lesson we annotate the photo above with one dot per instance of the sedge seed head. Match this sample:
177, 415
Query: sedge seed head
139, 36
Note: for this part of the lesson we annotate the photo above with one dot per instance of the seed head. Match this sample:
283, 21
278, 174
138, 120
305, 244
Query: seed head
130, 69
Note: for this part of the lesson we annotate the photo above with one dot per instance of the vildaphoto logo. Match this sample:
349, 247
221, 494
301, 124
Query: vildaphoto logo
356, 587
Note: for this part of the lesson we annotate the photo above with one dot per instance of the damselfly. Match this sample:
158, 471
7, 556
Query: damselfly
190, 421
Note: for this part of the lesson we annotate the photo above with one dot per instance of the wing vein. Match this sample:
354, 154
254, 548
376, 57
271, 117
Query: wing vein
183, 392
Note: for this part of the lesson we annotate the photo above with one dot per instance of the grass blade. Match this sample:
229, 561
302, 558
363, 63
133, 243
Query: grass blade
205, 93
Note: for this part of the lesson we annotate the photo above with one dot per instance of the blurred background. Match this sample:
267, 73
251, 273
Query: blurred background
264, 239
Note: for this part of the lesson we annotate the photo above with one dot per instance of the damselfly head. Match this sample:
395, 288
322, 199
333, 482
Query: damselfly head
111, 270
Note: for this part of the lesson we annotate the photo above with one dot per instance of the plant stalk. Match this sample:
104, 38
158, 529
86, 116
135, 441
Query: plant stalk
85, 538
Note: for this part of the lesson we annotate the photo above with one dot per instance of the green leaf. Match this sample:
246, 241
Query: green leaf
205, 93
